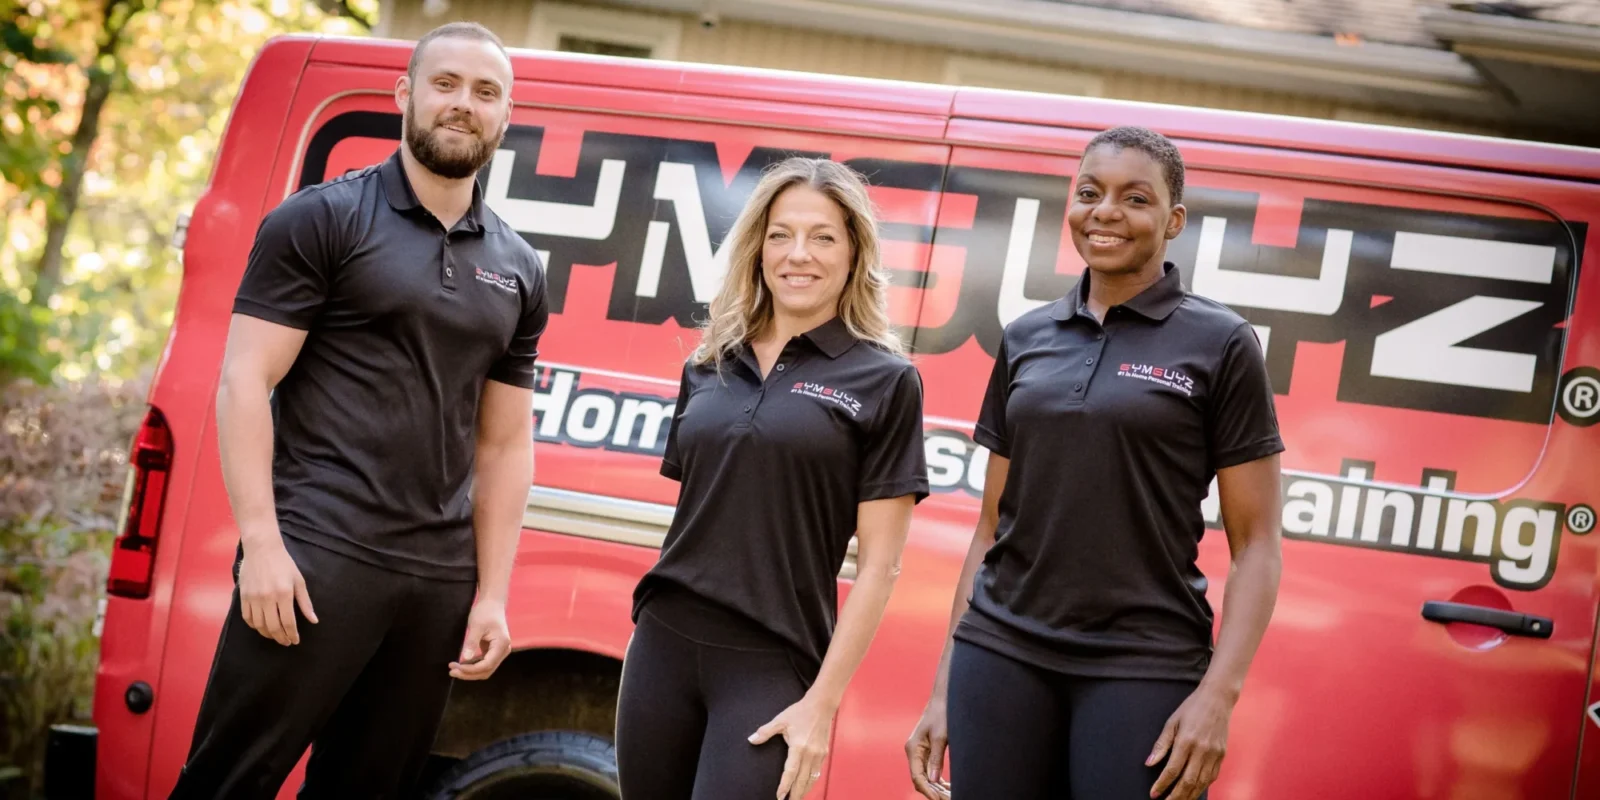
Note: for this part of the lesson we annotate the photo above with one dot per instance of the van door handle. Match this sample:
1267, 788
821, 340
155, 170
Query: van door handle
1509, 621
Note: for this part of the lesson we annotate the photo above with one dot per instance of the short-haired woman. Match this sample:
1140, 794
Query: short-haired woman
798, 426
1083, 668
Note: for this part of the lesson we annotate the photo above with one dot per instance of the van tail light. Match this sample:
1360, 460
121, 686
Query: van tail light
133, 555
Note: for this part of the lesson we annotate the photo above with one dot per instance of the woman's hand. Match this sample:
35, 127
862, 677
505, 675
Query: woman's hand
925, 751
1197, 737
807, 727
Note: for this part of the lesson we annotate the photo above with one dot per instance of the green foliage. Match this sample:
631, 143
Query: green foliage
63, 458
22, 334
70, 392
27, 150
174, 78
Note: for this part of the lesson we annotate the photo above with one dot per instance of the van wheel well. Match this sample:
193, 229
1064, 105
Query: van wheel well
533, 690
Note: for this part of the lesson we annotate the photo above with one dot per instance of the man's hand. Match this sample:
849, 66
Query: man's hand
269, 586
488, 642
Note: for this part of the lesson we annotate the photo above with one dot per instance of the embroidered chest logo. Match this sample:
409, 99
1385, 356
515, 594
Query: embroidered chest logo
838, 397
507, 283
1166, 376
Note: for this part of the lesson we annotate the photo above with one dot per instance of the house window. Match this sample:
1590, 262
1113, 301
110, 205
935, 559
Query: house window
600, 47
994, 74
603, 31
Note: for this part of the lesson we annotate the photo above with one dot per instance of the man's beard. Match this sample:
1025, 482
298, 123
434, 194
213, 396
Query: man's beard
442, 159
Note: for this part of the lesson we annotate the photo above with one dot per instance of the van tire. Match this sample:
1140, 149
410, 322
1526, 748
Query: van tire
548, 765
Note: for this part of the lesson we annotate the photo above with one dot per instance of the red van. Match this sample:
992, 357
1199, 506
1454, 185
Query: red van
1431, 332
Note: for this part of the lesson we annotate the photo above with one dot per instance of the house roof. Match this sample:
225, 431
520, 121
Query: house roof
1391, 21
1425, 56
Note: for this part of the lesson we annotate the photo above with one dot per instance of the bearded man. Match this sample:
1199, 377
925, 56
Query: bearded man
374, 416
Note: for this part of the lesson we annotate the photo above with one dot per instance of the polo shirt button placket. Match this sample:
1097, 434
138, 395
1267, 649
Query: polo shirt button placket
449, 280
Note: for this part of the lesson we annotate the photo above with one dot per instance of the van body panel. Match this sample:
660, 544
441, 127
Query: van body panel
729, 83
133, 645
627, 175
1272, 131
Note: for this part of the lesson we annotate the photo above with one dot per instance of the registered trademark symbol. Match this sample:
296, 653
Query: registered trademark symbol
1579, 396
1580, 519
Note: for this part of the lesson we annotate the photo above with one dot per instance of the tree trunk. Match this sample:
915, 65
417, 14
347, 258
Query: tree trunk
48, 274
341, 8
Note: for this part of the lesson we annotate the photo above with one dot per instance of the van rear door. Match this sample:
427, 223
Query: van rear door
1415, 320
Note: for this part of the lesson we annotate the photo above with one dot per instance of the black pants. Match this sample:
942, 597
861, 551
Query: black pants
697, 681
367, 685
1022, 733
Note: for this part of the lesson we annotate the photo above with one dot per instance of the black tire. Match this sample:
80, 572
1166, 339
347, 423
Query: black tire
549, 765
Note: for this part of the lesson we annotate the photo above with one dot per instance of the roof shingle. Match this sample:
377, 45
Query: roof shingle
1391, 21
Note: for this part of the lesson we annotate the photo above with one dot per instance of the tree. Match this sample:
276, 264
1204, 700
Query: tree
104, 68
111, 111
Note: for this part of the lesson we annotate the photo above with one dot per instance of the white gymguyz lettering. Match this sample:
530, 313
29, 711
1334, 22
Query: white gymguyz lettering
506, 283
1481, 296
676, 183
593, 220
1165, 376
1519, 538
838, 397
1430, 348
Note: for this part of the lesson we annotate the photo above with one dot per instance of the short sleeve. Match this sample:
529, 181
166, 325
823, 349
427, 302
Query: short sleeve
991, 430
1242, 418
289, 272
670, 466
894, 460
516, 365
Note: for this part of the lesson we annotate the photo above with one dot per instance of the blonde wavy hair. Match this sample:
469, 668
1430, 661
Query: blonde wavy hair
743, 309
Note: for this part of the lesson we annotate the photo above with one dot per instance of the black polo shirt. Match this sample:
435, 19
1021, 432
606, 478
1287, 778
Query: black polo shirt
375, 424
1114, 433
772, 471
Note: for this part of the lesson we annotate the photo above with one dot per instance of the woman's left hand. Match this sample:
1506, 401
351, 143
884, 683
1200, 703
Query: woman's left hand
1197, 737
807, 727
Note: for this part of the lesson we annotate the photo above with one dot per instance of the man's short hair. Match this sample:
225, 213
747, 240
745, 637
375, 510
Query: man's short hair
457, 30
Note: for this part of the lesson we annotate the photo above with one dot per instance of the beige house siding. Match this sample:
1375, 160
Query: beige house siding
755, 45
737, 43
403, 19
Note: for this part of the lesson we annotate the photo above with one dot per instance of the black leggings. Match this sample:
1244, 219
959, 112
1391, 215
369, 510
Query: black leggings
1018, 732
366, 687
697, 681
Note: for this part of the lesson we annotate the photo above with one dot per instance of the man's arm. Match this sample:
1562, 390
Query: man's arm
504, 471
258, 355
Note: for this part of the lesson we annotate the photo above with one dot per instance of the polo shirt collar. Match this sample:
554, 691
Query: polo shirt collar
1155, 303
833, 337
397, 188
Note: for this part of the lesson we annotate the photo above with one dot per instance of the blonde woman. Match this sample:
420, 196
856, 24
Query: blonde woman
798, 425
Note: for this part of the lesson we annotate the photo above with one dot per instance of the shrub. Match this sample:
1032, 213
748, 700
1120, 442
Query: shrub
63, 459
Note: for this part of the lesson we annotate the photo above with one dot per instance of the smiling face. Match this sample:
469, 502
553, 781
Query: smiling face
457, 106
806, 255
1122, 213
